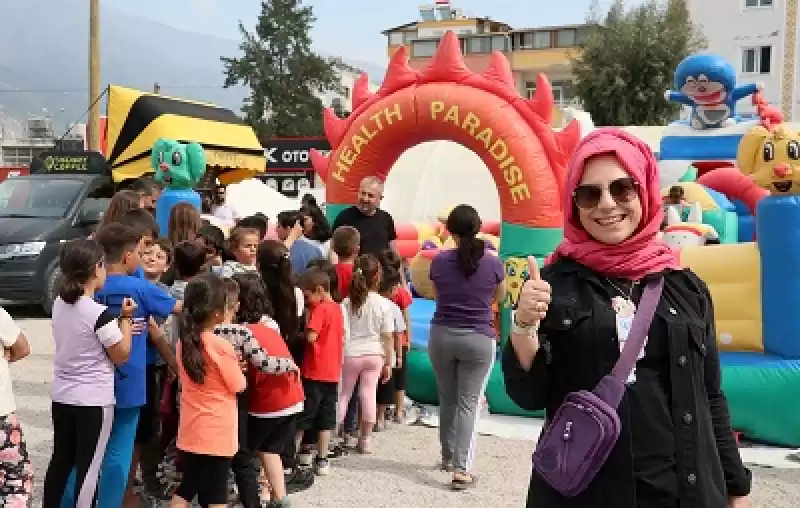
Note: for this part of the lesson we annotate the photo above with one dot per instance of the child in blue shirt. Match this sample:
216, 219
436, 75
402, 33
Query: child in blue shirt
123, 245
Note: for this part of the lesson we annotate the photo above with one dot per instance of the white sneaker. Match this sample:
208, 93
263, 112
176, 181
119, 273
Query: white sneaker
322, 467
305, 459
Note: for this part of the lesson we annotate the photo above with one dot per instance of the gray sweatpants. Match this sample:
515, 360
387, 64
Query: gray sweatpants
462, 361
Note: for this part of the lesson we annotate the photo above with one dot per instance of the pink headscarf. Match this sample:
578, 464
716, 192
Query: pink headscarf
641, 254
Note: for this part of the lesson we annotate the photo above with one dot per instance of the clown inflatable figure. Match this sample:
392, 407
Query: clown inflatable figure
707, 83
179, 167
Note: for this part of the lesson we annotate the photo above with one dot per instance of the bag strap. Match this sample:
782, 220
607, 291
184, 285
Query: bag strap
639, 330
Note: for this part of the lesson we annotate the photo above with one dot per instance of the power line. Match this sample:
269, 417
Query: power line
84, 90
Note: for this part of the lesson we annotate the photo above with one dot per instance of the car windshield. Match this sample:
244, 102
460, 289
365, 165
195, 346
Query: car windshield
37, 198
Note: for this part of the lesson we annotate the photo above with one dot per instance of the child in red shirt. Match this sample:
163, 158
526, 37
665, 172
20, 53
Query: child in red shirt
321, 368
345, 243
401, 296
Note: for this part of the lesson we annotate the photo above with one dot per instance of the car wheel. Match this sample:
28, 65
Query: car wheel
50, 283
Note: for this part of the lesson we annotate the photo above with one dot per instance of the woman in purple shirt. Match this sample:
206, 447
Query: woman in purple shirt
468, 280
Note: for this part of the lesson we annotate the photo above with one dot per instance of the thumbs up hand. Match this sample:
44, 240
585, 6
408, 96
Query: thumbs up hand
534, 298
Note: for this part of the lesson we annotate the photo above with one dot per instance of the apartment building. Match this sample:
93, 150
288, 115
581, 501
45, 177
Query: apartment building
530, 51
759, 38
342, 101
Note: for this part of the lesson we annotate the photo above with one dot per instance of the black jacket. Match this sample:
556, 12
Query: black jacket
579, 347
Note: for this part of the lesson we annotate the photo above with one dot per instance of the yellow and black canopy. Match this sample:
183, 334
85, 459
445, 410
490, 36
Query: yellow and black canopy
136, 120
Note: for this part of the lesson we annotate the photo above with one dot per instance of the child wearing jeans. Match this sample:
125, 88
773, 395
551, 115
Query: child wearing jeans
368, 347
210, 378
322, 363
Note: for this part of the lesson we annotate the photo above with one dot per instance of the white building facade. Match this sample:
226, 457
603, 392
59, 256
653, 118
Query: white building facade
348, 75
759, 38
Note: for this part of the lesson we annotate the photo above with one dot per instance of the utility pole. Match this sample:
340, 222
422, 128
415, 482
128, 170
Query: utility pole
94, 75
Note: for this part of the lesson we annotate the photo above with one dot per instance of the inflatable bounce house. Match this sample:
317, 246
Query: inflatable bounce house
745, 178
709, 138
482, 112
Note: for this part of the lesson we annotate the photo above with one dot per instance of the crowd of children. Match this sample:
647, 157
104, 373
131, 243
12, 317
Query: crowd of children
181, 365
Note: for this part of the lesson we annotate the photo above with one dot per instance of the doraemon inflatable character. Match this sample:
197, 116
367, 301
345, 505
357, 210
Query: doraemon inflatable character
707, 83
179, 166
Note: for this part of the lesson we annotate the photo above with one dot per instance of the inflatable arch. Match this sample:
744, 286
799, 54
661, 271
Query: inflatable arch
482, 112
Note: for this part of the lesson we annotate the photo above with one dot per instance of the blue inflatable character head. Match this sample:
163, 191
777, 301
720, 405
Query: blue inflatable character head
178, 165
705, 78
707, 83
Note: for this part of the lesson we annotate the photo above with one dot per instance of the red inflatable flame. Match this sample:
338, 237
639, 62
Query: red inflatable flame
770, 116
447, 77
735, 185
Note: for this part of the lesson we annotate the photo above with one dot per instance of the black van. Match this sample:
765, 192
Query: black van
63, 198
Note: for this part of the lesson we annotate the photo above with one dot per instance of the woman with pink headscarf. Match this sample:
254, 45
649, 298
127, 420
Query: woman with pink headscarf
676, 448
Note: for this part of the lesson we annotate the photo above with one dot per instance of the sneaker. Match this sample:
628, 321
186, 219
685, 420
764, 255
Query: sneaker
305, 458
279, 503
322, 467
337, 452
350, 441
299, 480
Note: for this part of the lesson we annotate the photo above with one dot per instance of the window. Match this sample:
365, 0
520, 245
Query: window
396, 38
526, 41
757, 3
479, 45
423, 49
38, 198
565, 38
499, 43
757, 60
541, 40
530, 89
558, 95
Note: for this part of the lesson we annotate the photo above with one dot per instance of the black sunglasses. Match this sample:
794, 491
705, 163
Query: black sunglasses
622, 190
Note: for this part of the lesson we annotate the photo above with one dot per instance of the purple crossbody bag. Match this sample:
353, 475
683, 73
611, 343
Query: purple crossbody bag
581, 434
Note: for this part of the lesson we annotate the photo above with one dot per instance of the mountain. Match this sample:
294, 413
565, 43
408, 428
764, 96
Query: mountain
44, 53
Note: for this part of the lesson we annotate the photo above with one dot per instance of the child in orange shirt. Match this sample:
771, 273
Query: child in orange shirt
210, 378
321, 368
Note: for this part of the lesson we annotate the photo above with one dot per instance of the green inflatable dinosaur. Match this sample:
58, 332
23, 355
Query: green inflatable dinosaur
178, 166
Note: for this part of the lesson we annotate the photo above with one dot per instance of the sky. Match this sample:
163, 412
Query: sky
351, 28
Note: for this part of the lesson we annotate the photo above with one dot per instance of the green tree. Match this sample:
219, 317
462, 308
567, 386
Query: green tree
282, 71
628, 60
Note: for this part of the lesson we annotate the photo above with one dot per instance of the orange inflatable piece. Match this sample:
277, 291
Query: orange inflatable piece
447, 101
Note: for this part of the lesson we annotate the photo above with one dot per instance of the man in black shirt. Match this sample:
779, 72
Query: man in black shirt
375, 225
377, 231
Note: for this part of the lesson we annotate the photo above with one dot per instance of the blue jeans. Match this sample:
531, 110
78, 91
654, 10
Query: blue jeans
116, 462
351, 417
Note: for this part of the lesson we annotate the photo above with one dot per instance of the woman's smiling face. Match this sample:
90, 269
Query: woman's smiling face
607, 199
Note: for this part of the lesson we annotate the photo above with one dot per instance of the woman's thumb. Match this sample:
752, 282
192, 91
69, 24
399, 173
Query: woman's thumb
533, 269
